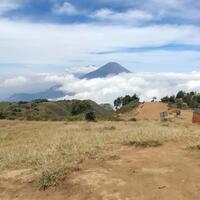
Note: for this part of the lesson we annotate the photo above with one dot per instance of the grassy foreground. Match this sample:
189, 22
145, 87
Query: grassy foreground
53, 149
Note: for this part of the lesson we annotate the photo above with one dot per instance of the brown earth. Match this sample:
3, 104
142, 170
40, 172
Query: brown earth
151, 111
169, 172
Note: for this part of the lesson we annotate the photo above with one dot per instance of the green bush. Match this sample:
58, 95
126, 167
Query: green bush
123, 101
90, 116
2, 116
79, 107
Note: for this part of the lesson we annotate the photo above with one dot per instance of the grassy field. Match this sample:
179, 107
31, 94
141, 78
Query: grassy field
54, 149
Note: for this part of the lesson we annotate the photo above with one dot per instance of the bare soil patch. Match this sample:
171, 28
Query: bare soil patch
166, 172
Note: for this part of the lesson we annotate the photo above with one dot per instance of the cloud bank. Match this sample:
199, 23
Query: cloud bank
105, 90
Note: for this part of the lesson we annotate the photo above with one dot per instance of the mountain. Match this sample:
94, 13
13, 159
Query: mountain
109, 69
51, 93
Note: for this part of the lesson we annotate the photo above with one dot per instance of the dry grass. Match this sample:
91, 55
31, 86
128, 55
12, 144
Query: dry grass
53, 149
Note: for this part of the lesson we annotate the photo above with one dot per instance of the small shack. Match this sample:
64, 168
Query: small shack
196, 117
164, 115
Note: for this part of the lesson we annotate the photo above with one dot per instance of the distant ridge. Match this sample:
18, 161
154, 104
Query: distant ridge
111, 68
51, 93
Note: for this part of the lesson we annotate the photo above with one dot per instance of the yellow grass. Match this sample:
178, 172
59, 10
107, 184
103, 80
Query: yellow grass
52, 149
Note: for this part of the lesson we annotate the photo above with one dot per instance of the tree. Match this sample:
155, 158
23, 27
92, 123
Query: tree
179, 103
126, 100
154, 99
198, 99
118, 102
165, 99
123, 101
172, 99
180, 95
135, 98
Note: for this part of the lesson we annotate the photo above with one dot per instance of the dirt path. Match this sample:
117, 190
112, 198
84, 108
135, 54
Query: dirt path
147, 110
151, 111
169, 172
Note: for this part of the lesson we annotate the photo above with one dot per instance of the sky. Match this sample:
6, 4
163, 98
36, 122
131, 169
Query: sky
60, 37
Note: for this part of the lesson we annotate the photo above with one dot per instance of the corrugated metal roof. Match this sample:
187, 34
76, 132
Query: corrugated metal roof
197, 111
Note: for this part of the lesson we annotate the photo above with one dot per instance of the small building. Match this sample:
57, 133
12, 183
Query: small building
196, 117
164, 115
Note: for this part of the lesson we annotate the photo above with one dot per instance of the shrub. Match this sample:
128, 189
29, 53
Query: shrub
194, 147
90, 116
40, 101
133, 119
22, 102
111, 128
75, 118
2, 116
145, 143
79, 107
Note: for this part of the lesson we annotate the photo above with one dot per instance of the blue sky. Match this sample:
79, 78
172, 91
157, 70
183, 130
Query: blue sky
40, 40
143, 35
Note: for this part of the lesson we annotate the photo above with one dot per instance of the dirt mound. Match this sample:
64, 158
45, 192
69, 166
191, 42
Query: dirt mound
147, 110
151, 110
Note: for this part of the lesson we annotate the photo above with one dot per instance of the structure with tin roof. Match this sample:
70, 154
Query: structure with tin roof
196, 116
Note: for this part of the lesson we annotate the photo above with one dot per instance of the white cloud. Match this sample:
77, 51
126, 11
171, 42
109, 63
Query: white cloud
8, 5
15, 82
146, 85
129, 16
176, 9
66, 8
75, 45
194, 84
81, 70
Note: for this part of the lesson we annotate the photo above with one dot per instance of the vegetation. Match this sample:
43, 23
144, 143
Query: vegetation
183, 100
79, 107
146, 143
194, 147
125, 101
90, 117
43, 110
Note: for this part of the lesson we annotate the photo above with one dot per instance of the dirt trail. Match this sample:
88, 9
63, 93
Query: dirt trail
147, 110
169, 172
151, 111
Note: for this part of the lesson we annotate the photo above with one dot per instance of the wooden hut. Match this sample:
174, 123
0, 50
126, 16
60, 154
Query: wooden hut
196, 117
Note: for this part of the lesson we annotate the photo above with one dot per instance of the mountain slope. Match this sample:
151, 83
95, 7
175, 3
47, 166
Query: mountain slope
50, 110
109, 69
51, 93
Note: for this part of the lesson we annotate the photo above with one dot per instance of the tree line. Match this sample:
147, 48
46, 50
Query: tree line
184, 99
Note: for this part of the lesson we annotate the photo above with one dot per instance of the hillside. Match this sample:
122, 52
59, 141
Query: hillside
151, 111
109, 69
51, 93
50, 110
